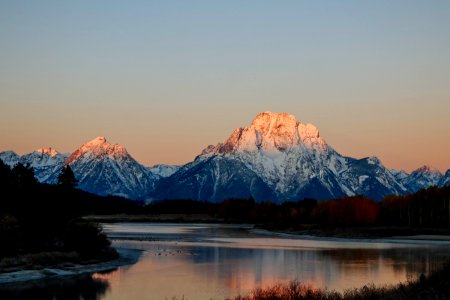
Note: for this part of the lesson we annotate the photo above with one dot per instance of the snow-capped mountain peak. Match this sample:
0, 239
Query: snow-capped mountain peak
270, 133
99, 166
98, 147
104, 168
50, 151
279, 158
100, 140
427, 169
46, 162
275, 158
423, 177
10, 158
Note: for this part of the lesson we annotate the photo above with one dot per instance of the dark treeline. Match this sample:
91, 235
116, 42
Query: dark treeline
36, 218
426, 208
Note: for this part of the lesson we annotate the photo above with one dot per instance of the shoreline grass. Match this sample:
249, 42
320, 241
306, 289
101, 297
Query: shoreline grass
435, 286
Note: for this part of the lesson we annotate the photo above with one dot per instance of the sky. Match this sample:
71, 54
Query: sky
167, 78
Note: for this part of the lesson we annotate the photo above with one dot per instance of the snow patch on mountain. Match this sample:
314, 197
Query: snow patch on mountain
399, 175
10, 158
45, 162
421, 178
445, 180
213, 179
163, 170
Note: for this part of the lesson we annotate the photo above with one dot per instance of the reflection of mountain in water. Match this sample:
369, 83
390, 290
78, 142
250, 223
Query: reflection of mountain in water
84, 287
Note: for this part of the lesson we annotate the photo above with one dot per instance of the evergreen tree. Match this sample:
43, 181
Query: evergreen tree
66, 178
24, 175
6, 176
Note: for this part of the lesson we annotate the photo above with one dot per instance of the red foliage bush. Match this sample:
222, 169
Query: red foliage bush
355, 210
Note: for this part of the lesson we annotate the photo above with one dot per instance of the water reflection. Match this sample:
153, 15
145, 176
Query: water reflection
214, 262
75, 288
218, 262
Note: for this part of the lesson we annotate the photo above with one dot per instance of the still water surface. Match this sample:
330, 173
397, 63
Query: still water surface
198, 261
201, 261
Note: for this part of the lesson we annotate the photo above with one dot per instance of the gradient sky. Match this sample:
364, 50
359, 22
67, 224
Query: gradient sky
167, 78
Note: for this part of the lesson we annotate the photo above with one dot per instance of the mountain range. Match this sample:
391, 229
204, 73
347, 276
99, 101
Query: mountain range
276, 158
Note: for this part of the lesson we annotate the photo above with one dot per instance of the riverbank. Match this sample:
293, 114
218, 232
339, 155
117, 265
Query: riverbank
360, 232
366, 232
155, 218
126, 257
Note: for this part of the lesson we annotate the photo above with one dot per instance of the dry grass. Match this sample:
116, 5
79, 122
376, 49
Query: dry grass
293, 290
437, 286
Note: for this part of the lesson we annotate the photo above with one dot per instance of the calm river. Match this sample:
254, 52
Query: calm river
202, 261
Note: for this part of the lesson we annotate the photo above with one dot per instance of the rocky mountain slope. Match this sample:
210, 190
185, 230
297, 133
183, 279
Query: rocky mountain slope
103, 168
100, 167
275, 158
283, 155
